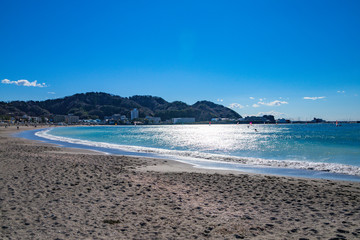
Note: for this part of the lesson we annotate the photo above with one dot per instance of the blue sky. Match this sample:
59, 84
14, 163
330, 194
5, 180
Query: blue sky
295, 59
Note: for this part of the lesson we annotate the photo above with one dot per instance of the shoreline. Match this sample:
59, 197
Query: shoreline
297, 169
55, 192
166, 165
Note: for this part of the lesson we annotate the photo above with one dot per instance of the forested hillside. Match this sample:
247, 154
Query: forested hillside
99, 105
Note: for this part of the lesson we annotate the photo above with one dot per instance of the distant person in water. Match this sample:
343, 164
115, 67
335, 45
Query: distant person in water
256, 130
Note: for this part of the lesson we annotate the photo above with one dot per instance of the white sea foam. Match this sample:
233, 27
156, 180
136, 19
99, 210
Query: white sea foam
201, 156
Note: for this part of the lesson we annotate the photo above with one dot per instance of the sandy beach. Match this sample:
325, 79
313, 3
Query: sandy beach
48, 192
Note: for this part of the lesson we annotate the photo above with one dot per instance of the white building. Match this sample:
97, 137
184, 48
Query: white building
134, 113
35, 119
183, 120
71, 119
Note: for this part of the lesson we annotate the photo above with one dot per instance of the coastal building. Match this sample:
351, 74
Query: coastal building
257, 119
69, 119
183, 120
116, 119
59, 118
221, 119
91, 121
317, 120
25, 118
254, 119
283, 120
226, 119
153, 120
269, 118
32, 119
134, 113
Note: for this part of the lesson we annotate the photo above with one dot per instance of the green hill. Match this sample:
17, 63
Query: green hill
98, 105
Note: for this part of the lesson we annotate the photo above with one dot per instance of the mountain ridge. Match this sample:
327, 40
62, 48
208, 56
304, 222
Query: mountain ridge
99, 104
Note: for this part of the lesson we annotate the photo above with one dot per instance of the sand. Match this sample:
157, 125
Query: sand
47, 192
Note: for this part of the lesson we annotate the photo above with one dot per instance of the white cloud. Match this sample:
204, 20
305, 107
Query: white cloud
5, 81
252, 98
273, 103
275, 114
220, 100
23, 82
341, 91
236, 105
51, 93
269, 104
313, 98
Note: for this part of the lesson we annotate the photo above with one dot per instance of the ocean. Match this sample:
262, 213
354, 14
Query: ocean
290, 149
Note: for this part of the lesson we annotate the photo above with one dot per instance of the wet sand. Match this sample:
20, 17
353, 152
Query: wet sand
47, 192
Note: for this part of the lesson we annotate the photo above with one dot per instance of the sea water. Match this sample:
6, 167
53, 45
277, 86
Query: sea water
321, 147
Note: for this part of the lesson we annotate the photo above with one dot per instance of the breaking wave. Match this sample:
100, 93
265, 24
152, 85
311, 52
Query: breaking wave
306, 165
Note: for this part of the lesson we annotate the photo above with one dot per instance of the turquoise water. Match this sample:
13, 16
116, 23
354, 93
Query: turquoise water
322, 147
